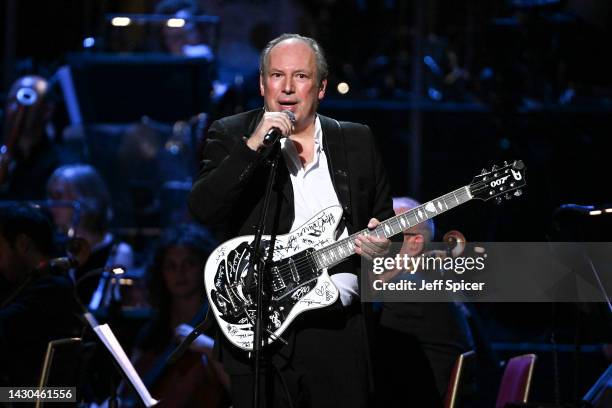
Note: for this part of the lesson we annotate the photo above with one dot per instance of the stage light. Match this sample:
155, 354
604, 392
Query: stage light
434, 94
175, 22
608, 210
121, 21
118, 270
89, 42
343, 88
595, 212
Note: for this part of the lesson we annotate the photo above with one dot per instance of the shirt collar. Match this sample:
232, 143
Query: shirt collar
318, 135
291, 155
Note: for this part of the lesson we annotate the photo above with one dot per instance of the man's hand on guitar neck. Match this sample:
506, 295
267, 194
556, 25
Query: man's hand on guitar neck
371, 246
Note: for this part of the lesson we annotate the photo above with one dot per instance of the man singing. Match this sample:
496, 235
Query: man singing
323, 163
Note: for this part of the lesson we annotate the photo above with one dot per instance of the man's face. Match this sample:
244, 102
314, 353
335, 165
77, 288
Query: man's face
181, 270
290, 82
61, 190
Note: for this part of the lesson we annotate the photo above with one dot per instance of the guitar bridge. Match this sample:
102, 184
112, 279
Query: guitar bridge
277, 280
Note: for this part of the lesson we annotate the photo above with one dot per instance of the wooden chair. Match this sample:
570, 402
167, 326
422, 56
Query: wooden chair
61, 364
456, 378
516, 380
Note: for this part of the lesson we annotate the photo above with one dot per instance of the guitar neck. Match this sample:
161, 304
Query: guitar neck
335, 253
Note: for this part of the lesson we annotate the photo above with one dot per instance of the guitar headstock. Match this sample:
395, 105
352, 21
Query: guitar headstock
499, 182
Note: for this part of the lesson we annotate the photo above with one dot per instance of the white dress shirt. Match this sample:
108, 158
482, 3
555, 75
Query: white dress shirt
313, 191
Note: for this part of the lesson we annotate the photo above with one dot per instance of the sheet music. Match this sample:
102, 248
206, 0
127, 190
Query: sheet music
107, 336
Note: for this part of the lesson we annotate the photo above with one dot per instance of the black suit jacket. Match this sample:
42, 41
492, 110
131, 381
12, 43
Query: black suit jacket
232, 181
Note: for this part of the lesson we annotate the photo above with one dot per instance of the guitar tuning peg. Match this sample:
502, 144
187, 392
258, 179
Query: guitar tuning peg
484, 171
494, 167
505, 163
498, 200
518, 193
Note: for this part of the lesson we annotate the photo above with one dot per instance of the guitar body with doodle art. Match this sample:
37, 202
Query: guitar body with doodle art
295, 281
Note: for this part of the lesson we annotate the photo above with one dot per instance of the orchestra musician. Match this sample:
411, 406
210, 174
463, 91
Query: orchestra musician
81, 184
176, 289
38, 304
28, 154
430, 335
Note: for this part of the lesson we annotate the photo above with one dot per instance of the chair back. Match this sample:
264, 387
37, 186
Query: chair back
61, 364
516, 380
456, 378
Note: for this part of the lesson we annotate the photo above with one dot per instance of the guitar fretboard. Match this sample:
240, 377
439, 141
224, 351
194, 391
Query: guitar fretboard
335, 253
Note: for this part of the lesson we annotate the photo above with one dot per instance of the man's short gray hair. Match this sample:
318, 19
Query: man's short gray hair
320, 60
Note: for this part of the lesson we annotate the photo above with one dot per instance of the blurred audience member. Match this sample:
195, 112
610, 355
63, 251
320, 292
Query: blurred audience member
176, 285
28, 156
82, 185
186, 39
38, 303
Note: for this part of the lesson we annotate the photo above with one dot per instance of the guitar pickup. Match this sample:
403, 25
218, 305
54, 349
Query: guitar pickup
294, 272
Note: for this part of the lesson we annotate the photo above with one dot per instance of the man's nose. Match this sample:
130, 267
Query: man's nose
288, 85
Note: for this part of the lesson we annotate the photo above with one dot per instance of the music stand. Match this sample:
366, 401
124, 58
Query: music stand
63, 364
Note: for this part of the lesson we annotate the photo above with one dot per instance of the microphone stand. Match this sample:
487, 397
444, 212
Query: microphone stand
272, 157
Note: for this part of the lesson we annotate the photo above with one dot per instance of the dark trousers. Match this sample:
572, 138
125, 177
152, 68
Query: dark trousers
327, 367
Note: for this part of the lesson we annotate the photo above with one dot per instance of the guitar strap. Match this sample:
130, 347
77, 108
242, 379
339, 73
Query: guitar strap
337, 161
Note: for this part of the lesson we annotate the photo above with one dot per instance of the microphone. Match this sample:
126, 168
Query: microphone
275, 133
56, 266
78, 252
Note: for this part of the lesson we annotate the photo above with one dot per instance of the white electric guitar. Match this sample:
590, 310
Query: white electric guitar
297, 279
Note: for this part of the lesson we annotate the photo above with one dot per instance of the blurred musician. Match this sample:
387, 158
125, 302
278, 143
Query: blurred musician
185, 40
418, 343
81, 183
176, 287
37, 304
27, 155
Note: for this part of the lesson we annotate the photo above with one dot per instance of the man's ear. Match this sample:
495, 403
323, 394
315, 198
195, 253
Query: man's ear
261, 84
322, 89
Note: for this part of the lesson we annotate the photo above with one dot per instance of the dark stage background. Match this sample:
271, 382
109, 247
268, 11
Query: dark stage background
448, 88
